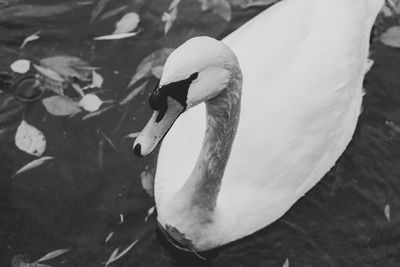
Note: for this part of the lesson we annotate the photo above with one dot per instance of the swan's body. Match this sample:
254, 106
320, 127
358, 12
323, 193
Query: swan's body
303, 64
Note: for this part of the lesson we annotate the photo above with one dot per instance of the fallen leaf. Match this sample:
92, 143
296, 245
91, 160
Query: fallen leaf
149, 213
219, 7
61, 106
33, 164
170, 16
132, 135
134, 93
115, 256
251, 3
97, 113
53, 254
29, 139
109, 237
154, 60
21, 66
112, 257
113, 12
68, 67
90, 102
391, 37
147, 181
116, 36
109, 141
51, 74
97, 81
387, 212
101, 4
286, 263
127, 23
30, 38
121, 219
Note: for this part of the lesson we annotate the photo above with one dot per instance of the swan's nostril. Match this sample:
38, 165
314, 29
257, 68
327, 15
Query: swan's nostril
137, 150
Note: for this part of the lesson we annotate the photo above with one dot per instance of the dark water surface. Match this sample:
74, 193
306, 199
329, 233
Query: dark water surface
76, 200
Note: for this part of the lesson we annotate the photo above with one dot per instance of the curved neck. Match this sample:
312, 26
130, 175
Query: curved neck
223, 112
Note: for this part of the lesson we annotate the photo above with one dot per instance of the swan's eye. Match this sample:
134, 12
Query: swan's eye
194, 76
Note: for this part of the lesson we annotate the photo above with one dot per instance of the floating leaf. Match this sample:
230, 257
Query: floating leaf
60, 106
51, 74
134, 93
391, 37
53, 254
109, 237
101, 4
115, 256
113, 12
391, 8
97, 113
29, 139
112, 257
127, 23
149, 213
90, 102
132, 135
68, 67
286, 263
170, 16
147, 182
154, 60
387, 212
121, 218
109, 141
30, 38
219, 7
21, 66
116, 36
33, 164
97, 81
251, 3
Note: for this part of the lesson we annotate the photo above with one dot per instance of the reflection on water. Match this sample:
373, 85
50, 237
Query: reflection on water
76, 200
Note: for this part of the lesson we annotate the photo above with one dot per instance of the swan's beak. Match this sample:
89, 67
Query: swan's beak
156, 128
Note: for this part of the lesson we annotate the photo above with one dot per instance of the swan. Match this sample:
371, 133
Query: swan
249, 124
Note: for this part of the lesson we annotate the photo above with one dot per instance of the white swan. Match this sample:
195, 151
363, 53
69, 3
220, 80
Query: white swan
219, 178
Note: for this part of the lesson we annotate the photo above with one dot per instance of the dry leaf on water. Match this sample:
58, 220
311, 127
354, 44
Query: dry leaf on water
109, 237
387, 212
97, 81
68, 67
29, 139
21, 66
286, 263
115, 256
154, 60
219, 7
116, 36
33, 164
149, 213
127, 23
113, 12
61, 106
52, 255
17, 261
30, 38
391, 37
132, 135
251, 3
49, 73
170, 16
90, 102
134, 93
101, 4
147, 181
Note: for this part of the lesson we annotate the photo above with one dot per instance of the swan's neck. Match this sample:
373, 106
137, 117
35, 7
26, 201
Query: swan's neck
223, 111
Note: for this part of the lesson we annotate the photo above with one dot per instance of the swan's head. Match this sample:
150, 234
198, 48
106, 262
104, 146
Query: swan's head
195, 72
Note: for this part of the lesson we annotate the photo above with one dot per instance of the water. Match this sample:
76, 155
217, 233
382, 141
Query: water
76, 200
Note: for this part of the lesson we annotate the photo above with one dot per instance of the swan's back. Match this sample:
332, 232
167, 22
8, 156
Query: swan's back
303, 63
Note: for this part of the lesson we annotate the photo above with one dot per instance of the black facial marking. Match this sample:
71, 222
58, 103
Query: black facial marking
177, 90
